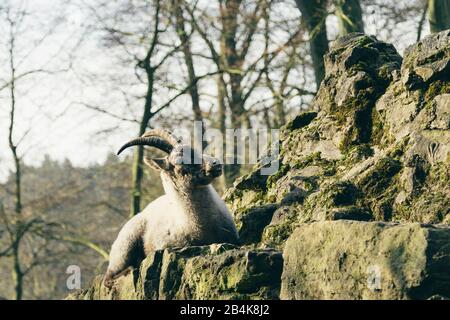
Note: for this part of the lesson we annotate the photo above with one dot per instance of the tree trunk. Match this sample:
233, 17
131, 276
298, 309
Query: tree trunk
280, 117
137, 180
349, 15
222, 116
189, 61
12, 146
181, 31
17, 272
137, 169
314, 15
17, 166
439, 15
229, 14
279, 108
229, 11
422, 20
221, 103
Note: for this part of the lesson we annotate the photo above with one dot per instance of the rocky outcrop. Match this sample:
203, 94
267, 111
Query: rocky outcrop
218, 271
377, 146
360, 207
366, 260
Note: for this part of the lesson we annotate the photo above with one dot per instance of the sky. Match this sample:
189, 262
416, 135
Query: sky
50, 117
47, 102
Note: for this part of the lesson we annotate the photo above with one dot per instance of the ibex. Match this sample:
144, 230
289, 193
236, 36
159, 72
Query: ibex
190, 213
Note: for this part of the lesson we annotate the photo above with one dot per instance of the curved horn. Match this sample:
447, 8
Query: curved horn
151, 141
165, 135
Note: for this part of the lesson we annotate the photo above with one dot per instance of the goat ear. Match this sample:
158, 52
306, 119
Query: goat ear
157, 163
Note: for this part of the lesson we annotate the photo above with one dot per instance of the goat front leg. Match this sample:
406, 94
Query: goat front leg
127, 250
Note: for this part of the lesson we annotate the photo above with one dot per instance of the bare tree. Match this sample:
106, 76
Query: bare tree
277, 79
27, 235
180, 25
231, 37
20, 227
423, 16
151, 45
397, 22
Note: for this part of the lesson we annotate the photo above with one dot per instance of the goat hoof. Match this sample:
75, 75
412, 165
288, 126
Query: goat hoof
108, 282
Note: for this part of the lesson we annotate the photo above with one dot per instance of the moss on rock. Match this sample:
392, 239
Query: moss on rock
366, 260
207, 272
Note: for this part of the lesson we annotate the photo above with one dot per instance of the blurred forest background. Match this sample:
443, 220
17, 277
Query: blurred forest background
78, 78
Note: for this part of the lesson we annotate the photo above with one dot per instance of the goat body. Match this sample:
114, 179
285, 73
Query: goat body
181, 217
190, 213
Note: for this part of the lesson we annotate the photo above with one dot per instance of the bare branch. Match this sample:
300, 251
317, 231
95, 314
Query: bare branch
87, 243
102, 110
184, 91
